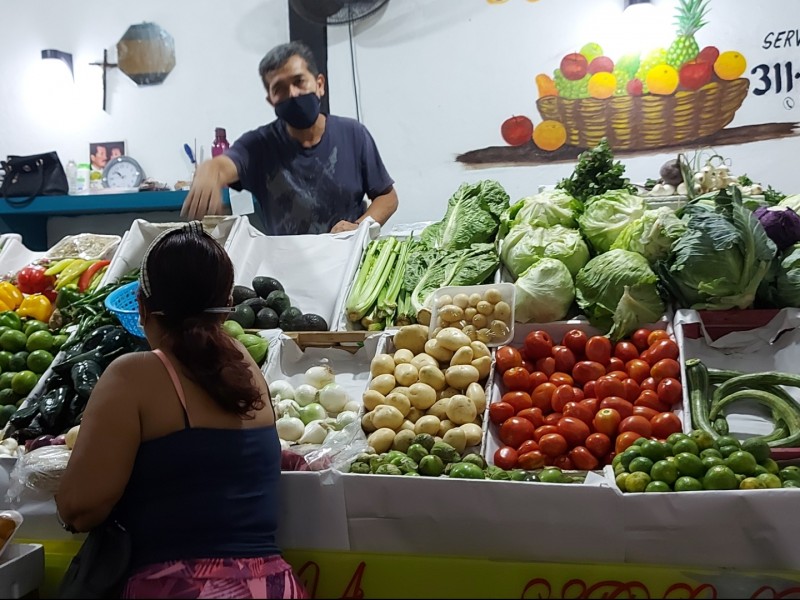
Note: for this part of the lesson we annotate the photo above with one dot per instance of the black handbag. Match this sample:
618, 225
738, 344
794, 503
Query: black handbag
27, 177
100, 568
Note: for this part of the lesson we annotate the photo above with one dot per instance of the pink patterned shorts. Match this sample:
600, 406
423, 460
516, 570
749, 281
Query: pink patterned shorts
270, 577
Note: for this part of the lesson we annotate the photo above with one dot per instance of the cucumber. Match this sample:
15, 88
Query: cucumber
698, 385
774, 403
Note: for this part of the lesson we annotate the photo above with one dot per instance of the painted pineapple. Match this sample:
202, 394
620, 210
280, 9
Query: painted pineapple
689, 20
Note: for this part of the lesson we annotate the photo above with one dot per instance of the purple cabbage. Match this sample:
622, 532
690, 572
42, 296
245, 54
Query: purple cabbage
781, 223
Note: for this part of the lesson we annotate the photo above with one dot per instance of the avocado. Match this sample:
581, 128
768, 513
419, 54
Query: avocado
278, 301
264, 286
243, 315
242, 293
266, 319
312, 322
291, 319
256, 304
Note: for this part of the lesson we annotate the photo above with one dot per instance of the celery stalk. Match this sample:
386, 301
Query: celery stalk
371, 277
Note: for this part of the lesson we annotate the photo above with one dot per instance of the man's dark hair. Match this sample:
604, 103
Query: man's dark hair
280, 55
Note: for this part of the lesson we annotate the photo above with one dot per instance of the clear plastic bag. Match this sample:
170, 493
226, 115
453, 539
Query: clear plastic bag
339, 449
37, 473
10, 520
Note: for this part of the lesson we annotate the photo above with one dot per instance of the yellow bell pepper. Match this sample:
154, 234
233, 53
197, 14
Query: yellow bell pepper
10, 296
36, 307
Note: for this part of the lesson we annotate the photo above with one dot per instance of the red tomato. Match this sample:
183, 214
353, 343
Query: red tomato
546, 365
598, 349
527, 446
517, 379
505, 458
553, 444
536, 379
538, 344
562, 462
577, 393
561, 396
542, 397
644, 411
530, 460
615, 364
500, 411
607, 386
660, 350
544, 430
528, 365
650, 399
591, 404
575, 340
519, 400
534, 415
655, 335
579, 411
589, 389
606, 421
621, 375
664, 368
598, 444
670, 391
582, 458
516, 430
553, 418
649, 384
506, 358
638, 424
564, 357
574, 430
639, 339
632, 390
626, 351
561, 379
638, 369
665, 424
586, 371
625, 440
623, 407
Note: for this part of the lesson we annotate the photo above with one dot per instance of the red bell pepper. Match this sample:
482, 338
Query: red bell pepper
32, 280
88, 274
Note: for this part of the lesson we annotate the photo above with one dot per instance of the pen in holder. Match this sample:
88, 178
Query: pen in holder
190, 154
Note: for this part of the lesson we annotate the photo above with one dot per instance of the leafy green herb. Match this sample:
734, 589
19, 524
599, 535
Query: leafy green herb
744, 180
596, 173
772, 196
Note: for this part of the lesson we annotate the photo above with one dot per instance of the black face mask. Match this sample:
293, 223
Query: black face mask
300, 112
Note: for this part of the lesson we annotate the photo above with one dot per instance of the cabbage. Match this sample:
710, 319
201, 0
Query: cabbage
524, 244
781, 223
606, 216
788, 282
652, 234
544, 292
552, 207
617, 291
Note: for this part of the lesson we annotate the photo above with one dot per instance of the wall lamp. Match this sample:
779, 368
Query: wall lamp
59, 55
629, 3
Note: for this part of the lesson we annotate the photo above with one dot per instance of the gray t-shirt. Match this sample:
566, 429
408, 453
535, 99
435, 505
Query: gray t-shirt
309, 190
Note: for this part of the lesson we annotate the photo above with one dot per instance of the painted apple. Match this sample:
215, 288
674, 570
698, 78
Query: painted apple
517, 130
601, 64
574, 66
709, 54
695, 74
635, 87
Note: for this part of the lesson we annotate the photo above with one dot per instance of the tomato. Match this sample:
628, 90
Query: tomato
638, 369
538, 344
606, 421
564, 358
615, 364
591, 404
598, 444
665, 424
598, 349
644, 411
650, 399
649, 384
536, 379
669, 391
560, 378
516, 430
632, 390
530, 460
546, 365
506, 358
500, 411
517, 378
518, 400
562, 462
639, 339
625, 440
528, 365
638, 424
579, 411
534, 415
655, 335
527, 446
582, 458
561, 396
575, 340
609, 386
660, 350
573, 430
553, 418
586, 371
664, 368
542, 431
589, 389
623, 407
577, 393
553, 444
542, 397
505, 458
625, 351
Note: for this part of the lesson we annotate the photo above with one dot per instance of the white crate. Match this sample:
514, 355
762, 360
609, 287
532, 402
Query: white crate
21, 570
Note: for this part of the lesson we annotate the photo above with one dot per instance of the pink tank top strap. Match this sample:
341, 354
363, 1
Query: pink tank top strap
176, 382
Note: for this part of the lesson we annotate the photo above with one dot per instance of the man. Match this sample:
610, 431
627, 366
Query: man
98, 153
308, 171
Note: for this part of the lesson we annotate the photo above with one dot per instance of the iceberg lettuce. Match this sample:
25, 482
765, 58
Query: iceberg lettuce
525, 244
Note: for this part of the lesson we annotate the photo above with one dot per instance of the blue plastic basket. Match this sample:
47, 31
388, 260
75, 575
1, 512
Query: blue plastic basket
123, 304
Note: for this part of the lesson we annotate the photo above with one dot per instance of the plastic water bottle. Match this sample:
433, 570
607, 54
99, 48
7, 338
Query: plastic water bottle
220, 142
72, 176
83, 178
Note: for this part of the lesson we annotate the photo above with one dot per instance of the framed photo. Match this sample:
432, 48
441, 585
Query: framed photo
101, 152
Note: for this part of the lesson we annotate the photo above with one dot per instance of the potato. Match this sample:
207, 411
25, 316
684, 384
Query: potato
432, 376
406, 374
382, 364
451, 313
406, 426
387, 416
477, 394
448, 392
502, 311
470, 312
456, 438
373, 398
427, 424
483, 365
402, 440
411, 337
461, 376
499, 329
414, 414
403, 356
383, 384
480, 321
452, 339
470, 332
421, 360
366, 423
474, 299
484, 335
493, 295
461, 300
439, 352
463, 356
381, 440
444, 300
399, 401
439, 409
421, 396
446, 426
424, 316
473, 433
479, 350
485, 308
460, 410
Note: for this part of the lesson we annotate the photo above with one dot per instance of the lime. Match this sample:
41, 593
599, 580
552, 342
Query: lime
23, 382
639, 441
13, 340
758, 448
19, 361
629, 454
751, 483
703, 439
640, 464
720, 478
3, 329
770, 465
759, 470
620, 480
5, 380
5, 357
689, 464
674, 437
657, 486
614, 461
741, 462
232, 328
618, 468
665, 471
726, 451
551, 475
712, 461
33, 326
39, 360
39, 340
59, 340
637, 482
687, 445
7, 396
710, 452
688, 484
791, 484
5, 413
770, 480
654, 450
669, 449
726, 440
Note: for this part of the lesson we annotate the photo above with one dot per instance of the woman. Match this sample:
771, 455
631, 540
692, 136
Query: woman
180, 442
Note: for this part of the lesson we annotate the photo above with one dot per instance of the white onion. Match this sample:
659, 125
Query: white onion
320, 376
287, 408
290, 429
281, 390
353, 406
333, 397
305, 394
345, 417
312, 412
315, 433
